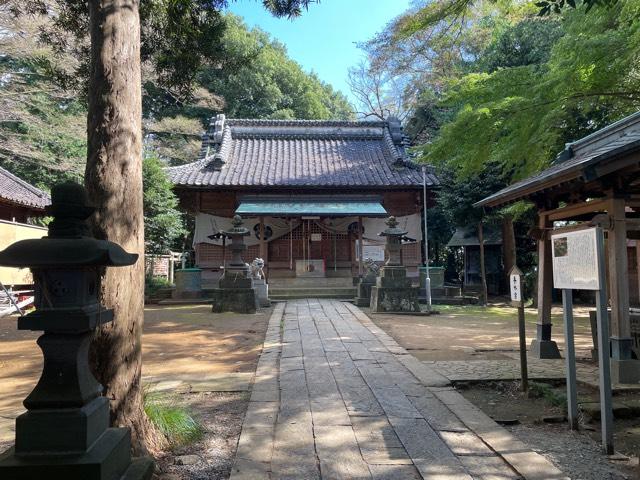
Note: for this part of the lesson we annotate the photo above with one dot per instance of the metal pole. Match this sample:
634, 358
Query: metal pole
570, 358
606, 412
523, 348
427, 278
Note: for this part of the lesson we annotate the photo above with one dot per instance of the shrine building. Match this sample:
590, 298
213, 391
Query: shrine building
312, 192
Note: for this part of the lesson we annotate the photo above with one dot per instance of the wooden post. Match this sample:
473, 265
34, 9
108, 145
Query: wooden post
483, 272
361, 249
542, 346
508, 244
570, 358
619, 285
263, 250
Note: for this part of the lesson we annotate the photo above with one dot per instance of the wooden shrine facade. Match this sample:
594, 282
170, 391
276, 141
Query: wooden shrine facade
594, 180
311, 192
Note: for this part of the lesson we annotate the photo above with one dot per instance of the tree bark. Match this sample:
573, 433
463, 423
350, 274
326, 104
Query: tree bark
508, 244
113, 179
483, 270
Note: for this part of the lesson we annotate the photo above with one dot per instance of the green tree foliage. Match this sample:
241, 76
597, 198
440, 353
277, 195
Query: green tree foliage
259, 80
163, 223
520, 116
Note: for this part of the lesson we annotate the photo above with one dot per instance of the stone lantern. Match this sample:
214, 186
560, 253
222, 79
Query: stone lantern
235, 292
393, 291
65, 432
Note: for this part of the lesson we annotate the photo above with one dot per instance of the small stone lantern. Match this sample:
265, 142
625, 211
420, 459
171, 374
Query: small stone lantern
393, 291
65, 432
235, 292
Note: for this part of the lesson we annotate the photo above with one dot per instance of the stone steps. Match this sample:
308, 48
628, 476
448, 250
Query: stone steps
290, 293
302, 282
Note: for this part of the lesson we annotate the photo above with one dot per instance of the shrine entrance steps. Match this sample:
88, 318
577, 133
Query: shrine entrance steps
335, 397
341, 288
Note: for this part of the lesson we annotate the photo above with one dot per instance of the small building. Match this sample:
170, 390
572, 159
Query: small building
20, 202
467, 239
313, 192
594, 180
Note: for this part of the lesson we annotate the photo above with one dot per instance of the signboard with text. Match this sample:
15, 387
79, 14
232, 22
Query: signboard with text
575, 260
515, 285
374, 252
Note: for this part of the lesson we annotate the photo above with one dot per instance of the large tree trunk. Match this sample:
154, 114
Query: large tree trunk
113, 179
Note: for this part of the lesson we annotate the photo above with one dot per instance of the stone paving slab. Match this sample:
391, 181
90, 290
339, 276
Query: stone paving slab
335, 397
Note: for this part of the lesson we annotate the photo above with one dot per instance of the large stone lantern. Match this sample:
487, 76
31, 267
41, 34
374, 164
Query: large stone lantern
65, 432
393, 291
235, 292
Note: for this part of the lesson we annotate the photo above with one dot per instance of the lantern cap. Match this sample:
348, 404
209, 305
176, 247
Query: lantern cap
238, 228
69, 243
393, 230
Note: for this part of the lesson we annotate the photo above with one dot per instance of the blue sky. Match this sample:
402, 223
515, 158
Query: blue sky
324, 38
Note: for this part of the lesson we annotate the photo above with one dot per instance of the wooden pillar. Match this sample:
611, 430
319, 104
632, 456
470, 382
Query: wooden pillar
618, 281
361, 249
483, 270
542, 346
263, 250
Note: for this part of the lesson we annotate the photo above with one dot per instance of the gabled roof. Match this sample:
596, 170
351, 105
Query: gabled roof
583, 160
15, 190
301, 153
468, 236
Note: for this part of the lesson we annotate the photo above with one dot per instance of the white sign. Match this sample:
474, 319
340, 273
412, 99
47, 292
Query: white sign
516, 288
316, 237
374, 252
575, 260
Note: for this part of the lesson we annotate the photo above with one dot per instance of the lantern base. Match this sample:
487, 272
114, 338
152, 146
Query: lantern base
108, 459
237, 300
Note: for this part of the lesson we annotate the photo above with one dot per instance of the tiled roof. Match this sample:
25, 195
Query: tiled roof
578, 161
16, 190
299, 153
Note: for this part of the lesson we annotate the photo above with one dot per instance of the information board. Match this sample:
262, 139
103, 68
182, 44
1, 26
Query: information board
575, 260
374, 252
516, 288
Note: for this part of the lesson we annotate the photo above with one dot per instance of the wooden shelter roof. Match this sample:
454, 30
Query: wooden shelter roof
580, 167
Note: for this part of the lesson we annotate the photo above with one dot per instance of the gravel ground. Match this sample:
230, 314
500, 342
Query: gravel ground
575, 453
211, 458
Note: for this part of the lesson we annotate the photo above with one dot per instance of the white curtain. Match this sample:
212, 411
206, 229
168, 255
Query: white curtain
207, 225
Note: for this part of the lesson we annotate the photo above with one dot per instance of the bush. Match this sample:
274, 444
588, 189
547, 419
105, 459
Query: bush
153, 284
174, 421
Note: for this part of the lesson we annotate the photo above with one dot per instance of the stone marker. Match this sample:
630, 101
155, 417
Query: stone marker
393, 291
235, 292
366, 283
64, 433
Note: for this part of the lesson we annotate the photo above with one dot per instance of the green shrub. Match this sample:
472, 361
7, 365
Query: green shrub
153, 284
173, 420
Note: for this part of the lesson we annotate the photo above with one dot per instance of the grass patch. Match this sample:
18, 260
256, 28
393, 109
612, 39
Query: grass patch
546, 391
172, 419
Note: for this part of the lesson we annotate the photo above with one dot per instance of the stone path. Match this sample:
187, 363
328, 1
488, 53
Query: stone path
335, 397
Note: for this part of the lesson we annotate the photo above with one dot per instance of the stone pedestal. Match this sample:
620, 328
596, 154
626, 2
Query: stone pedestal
364, 292
542, 346
393, 292
262, 292
188, 283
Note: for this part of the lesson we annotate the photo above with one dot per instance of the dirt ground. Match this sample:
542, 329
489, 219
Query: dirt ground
177, 340
476, 333
578, 454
